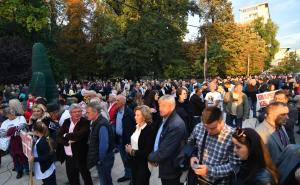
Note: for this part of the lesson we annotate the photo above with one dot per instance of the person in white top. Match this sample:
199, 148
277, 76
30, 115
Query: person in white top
142, 141
213, 98
10, 127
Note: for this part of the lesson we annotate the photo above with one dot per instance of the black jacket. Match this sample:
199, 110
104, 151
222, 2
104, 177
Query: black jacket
80, 135
196, 105
262, 177
45, 156
93, 153
128, 125
173, 133
146, 143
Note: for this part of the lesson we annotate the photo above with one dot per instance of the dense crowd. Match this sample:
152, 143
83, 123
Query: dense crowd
183, 131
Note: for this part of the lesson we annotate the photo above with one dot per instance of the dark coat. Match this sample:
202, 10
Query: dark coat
262, 177
45, 156
80, 135
93, 153
128, 125
146, 143
196, 105
139, 163
173, 133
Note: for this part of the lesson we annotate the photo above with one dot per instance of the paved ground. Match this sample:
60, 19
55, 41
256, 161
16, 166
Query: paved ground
8, 177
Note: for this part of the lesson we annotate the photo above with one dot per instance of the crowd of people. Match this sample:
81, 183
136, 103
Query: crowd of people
181, 131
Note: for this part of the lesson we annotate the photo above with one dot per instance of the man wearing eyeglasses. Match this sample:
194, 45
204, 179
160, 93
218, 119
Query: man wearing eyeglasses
214, 160
73, 135
272, 131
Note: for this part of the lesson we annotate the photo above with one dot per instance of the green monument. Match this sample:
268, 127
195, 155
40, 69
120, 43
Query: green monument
42, 82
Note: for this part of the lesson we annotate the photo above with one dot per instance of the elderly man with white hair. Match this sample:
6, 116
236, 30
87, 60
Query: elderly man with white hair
125, 126
170, 135
74, 135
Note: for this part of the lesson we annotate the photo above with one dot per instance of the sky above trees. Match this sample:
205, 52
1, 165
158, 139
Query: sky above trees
284, 13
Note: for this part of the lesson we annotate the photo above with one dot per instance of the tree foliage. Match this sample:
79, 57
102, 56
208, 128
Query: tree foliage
289, 64
267, 31
134, 38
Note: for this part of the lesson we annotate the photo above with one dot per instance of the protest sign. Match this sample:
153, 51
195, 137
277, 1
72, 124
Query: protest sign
26, 143
264, 99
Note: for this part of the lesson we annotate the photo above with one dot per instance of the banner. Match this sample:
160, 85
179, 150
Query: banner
264, 99
26, 143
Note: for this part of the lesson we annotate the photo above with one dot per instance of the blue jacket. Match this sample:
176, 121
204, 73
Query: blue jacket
173, 133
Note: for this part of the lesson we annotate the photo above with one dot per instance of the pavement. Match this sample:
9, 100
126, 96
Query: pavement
8, 177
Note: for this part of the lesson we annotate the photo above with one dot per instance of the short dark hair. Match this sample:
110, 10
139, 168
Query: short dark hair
281, 92
211, 114
274, 104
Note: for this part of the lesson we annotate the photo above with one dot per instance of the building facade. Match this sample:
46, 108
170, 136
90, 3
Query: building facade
248, 14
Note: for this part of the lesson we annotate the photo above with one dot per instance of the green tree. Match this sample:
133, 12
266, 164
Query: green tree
268, 32
289, 64
150, 39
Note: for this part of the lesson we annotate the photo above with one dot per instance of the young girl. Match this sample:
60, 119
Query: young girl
43, 155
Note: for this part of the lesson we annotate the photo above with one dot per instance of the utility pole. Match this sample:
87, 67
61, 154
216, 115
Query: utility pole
205, 58
248, 65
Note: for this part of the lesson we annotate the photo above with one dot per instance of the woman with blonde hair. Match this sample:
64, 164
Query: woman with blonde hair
142, 141
39, 113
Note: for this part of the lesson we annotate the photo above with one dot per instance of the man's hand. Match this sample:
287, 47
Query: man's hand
202, 170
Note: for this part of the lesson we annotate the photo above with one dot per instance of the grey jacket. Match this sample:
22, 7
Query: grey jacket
242, 107
271, 139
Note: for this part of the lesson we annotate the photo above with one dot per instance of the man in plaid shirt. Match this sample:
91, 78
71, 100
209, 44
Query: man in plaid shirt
219, 160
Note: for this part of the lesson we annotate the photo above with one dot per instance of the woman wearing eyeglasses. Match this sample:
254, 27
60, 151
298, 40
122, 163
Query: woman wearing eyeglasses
257, 167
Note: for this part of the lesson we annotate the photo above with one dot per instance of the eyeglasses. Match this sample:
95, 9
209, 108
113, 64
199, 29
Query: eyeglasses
240, 132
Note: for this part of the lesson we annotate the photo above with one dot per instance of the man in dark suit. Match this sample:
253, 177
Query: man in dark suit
196, 106
125, 126
74, 135
167, 143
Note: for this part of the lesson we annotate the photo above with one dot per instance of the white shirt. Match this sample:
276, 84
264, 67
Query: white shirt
63, 117
135, 137
212, 97
13, 123
4, 141
37, 167
68, 149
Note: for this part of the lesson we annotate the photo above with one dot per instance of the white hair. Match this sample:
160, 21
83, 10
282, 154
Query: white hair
16, 105
168, 98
